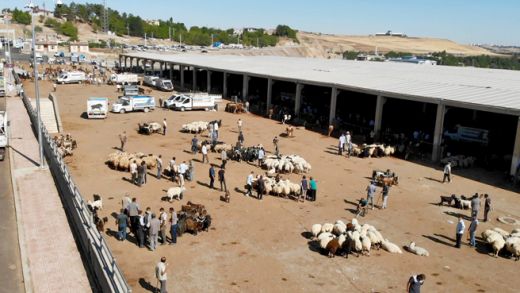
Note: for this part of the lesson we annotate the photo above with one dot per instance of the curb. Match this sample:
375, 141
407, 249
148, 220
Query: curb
26, 271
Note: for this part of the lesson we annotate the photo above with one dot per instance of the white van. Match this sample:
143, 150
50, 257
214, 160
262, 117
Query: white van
71, 77
97, 108
193, 103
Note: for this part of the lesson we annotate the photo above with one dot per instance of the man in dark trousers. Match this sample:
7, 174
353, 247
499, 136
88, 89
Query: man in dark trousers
261, 187
140, 174
487, 206
222, 179
123, 139
165, 125
133, 213
414, 283
211, 177
460, 231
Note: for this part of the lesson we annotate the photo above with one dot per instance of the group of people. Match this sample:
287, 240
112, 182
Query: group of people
147, 227
345, 144
371, 193
308, 188
472, 229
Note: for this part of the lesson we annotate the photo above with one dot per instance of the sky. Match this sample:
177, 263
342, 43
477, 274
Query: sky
464, 21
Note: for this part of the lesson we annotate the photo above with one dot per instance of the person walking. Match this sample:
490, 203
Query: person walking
241, 138
122, 224
133, 171
204, 151
261, 187
414, 283
475, 205
261, 156
160, 274
384, 194
249, 184
239, 124
153, 230
460, 231
341, 144
472, 230
211, 177
123, 138
222, 179
163, 218
276, 149
313, 188
487, 206
223, 157
194, 142
164, 126
159, 167
447, 173
304, 187
371, 191
173, 226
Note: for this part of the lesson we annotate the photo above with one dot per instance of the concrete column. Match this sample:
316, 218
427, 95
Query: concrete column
437, 133
152, 68
171, 72
224, 85
245, 87
126, 65
131, 64
333, 102
194, 83
378, 119
298, 100
181, 67
208, 81
269, 93
516, 149
161, 64
120, 61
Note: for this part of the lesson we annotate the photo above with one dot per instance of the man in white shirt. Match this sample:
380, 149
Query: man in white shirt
159, 167
447, 173
133, 171
261, 155
341, 144
204, 151
239, 123
460, 231
182, 172
215, 128
223, 157
249, 184
348, 143
163, 218
172, 168
164, 125
160, 274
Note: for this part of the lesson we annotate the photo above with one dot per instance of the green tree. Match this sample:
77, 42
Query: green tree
21, 17
350, 55
68, 29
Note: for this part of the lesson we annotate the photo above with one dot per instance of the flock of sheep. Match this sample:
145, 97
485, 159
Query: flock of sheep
372, 150
195, 127
459, 161
121, 160
499, 239
65, 144
341, 238
287, 164
283, 187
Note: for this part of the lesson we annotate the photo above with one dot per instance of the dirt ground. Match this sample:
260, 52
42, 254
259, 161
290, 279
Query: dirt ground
260, 246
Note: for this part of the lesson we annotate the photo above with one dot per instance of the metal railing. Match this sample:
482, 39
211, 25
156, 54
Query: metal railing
94, 248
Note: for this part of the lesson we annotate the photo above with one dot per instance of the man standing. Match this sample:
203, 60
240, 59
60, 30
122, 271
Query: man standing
222, 179
204, 151
123, 138
276, 149
173, 226
160, 274
472, 230
313, 188
122, 224
261, 155
371, 191
261, 187
140, 174
194, 142
249, 184
384, 193
414, 283
133, 213
239, 123
341, 144
304, 187
348, 143
140, 230
447, 173
155, 227
163, 218
211, 177
164, 125
182, 172
133, 171
241, 138
173, 168
460, 231
487, 206
215, 128
223, 157
159, 167
475, 205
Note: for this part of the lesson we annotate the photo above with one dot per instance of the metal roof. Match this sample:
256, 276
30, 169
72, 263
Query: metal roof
491, 90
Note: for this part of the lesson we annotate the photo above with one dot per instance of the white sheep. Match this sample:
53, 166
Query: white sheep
497, 245
327, 227
465, 204
513, 246
339, 228
323, 235
502, 232
97, 204
417, 250
391, 247
358, 246
315, 230
175, 192
365, 244
325, 240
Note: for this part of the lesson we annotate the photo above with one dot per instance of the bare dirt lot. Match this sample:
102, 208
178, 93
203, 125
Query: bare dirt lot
259, 246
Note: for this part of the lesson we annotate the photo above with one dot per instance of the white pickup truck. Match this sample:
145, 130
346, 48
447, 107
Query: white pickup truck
193, 103
3, 134
133, 103
124, 78
158, 83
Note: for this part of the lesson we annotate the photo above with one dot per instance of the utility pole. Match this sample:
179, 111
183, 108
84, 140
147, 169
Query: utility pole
105, 17
145, 39
127, 30
180, 39
211, 39
257, 44
170, 33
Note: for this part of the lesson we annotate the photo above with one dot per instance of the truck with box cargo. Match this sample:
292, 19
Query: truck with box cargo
124, 78
158, 83
195, 103
97, 108
133, 103
71, 77
3, 134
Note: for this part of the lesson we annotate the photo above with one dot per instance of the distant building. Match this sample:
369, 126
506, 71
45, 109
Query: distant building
46, 46
152, 22
391, 34
414, 60
79, 47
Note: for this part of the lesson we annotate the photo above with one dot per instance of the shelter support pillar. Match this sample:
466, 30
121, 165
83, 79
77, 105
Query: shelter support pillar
298, 100
269, 93
516, 151
181, 67
245, 87
171, 72
224, 84
333, 102
152, 68
208, 81
161, 65
126, 65
131, 64
194, 83
437, 133
378, 119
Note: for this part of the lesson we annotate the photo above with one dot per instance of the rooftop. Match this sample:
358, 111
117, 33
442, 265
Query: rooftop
491, 90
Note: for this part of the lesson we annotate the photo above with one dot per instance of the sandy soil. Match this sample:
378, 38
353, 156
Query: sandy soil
260, 246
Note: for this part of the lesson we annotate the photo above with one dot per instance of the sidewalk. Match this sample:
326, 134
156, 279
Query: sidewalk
50, 257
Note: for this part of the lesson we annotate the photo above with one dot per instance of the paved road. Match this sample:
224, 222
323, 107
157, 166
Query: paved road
11, 278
